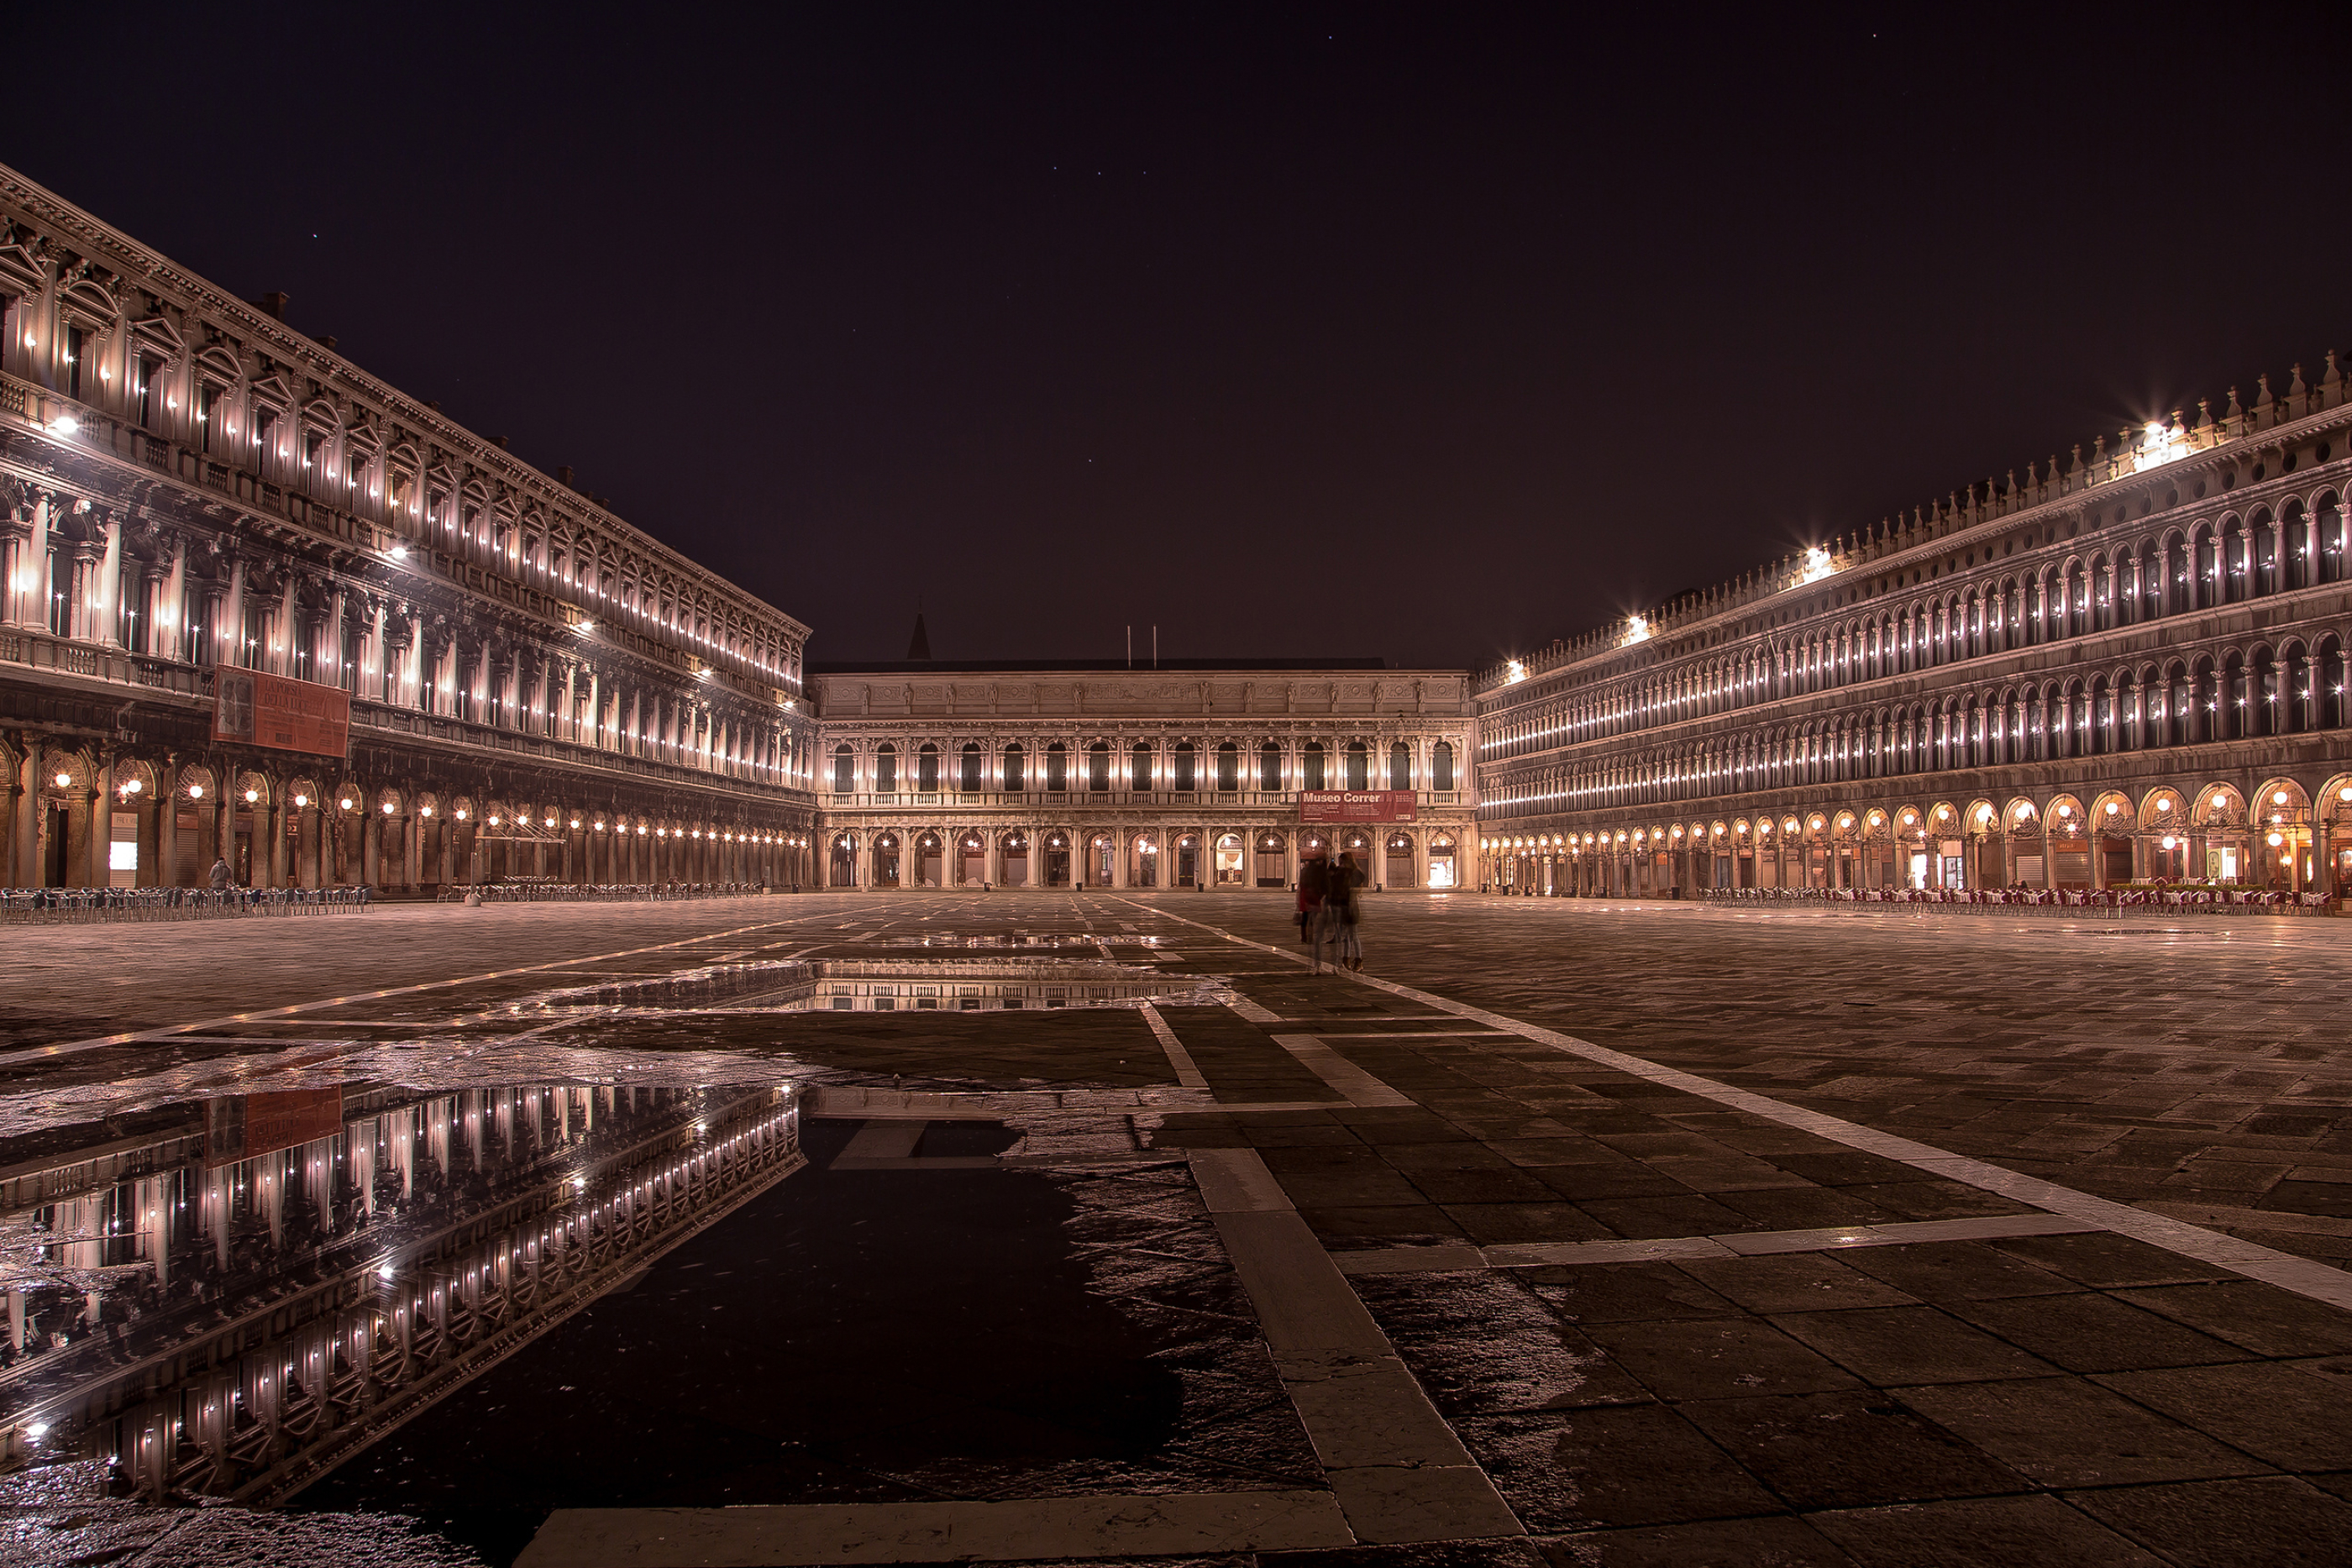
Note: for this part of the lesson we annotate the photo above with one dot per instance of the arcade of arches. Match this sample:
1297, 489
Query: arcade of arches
2281, 832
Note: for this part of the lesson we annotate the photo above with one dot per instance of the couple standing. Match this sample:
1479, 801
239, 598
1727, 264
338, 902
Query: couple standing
1328, 909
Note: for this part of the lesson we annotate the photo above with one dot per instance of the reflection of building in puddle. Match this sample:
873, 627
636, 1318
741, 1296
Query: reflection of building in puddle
950, 985
1021, 940
975, 988
242, 1299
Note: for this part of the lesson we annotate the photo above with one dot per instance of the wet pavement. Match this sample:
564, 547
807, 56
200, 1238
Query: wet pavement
1052, 1229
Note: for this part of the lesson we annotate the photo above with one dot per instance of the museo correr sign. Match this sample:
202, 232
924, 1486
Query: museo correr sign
1356, 806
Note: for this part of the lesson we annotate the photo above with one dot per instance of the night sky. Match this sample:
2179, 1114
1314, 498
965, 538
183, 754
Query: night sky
1433, 334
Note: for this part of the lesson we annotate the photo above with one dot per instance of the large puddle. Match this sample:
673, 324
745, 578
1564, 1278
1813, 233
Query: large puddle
450, 1308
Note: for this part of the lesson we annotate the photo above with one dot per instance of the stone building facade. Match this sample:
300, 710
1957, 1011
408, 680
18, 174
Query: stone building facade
2124, 667
1188, 775
189, 485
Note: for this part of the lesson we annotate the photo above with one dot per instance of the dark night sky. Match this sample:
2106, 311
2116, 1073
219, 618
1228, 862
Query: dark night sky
1064, 320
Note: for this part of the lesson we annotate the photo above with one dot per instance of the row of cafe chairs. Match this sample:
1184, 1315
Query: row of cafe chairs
89, 906
551, 892
2168, 901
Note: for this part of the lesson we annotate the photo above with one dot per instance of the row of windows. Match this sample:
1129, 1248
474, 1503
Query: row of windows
208, 401
2231, 694
2208, 566
1186, 767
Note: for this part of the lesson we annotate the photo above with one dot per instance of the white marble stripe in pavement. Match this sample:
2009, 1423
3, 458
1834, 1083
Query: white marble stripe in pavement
1162, 1524
1187, 1075
1400, 1473
1450, 1257
1359, 1086
2302, 1276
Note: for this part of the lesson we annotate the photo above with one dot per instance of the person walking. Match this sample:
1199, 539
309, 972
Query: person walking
1346, 911
1312, 881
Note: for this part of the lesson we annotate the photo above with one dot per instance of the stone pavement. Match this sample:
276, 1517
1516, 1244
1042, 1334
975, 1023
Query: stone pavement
1887, 1239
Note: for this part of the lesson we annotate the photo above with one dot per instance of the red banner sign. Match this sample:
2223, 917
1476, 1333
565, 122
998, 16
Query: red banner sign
263, 710
244, 1126
1356, 806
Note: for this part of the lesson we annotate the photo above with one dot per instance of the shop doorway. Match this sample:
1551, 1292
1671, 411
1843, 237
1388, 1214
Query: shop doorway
1272, 855
1397, 870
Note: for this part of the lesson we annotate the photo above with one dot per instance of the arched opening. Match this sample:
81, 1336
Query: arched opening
1311, 773
844, 870
1269, 767
1228, 867
1396, 867
885, 860
1186, 758
1016, 774
1229, 766
1102, 850
1270, 859
1441, 766
1098, 766
1138, 766
927, 768
1143, 859
971, 859
968, 768
1443, 870
1058, 769
1057, 857
1360, 766
1188, 872
930, 859
845, 770
886, 770
1012, 858
1400, 766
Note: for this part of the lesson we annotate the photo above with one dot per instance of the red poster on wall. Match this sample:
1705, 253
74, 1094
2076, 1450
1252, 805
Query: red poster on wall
263, 710
1356, 806
243, 1126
